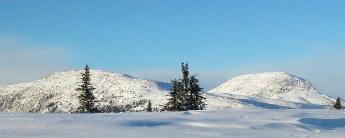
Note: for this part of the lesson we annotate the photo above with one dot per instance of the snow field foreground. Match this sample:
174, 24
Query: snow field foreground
193, 124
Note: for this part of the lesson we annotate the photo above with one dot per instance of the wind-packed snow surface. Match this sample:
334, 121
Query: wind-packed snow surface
119, 93
195, 124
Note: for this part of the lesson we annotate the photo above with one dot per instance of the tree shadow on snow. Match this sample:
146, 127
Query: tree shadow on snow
146, 123
324, 123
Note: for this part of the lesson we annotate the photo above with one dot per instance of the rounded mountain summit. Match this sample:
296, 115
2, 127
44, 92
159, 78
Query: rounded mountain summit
274, 85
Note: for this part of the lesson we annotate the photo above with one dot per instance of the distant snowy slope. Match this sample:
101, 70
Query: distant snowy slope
218, 101
274, 85
57, 93
119, 92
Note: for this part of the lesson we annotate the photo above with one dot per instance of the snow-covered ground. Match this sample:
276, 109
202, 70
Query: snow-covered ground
232, 123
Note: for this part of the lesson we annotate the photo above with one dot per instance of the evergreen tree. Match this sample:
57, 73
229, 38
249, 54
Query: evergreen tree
173, 104
184, 93
86, 97
181, 97
337, 104
149, 107
196, 100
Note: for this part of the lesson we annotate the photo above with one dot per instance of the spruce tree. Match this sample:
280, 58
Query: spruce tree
181, 97
196, 100
86, 97
337, 104
184, 93
149, 107
173, 104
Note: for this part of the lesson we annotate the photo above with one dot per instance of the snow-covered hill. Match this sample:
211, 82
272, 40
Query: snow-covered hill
119, 92
57, 93
274, 85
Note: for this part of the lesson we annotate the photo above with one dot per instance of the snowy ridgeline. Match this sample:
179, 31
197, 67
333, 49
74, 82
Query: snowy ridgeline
195, 124
120, 93
114, 92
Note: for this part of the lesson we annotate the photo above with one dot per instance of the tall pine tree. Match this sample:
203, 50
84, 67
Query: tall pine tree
86, 97
196, 100
173, 104
186, 93
337, 104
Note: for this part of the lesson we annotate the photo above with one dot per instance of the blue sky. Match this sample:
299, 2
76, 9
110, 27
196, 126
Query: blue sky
149, 39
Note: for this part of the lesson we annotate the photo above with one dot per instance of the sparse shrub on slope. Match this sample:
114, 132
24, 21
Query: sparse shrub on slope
337, 105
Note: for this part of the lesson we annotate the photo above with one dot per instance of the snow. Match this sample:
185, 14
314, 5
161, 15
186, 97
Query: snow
192, 124
56, 93
241, 107
274, 85
230, 101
